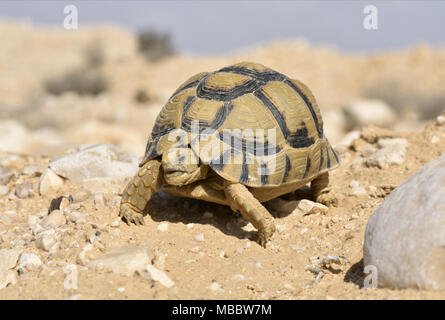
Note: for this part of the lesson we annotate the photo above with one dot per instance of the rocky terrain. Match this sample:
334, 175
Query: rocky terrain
75, 111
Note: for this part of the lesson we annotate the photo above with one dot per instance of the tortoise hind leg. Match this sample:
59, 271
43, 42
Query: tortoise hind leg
139, 191
321, 190
240, 199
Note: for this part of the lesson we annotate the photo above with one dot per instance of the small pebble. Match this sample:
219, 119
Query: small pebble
54, 219
45, 242
99, 200
23, 190
199, 237
163, 226
190, 225
29, 262
5, 175
440, 120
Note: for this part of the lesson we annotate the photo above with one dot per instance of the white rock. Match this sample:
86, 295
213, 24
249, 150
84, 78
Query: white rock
23, 190
54, 219
7, 278
216, 287
8, 259
116, 222
45, 242
310, 207
96, 161
163, 226
123, 260
405, 237
99, 200
5, 175
356, 189
32, 221
440, 120
199, 237
50, 182
29, 262
152, 273
392, 152
348, 139
31, 170
364, 112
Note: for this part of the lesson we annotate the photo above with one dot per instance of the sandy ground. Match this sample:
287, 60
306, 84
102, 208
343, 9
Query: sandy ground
206, 249
228, 253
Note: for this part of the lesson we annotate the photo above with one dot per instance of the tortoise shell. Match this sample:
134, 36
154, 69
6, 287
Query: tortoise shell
235, 102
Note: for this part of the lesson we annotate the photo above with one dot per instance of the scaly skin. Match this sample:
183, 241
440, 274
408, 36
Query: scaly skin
240, 199
139, 191
321, 191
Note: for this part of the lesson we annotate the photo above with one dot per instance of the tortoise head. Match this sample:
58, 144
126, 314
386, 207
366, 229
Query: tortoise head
181, 166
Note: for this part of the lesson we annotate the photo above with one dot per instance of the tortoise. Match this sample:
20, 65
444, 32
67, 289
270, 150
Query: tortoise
267, 141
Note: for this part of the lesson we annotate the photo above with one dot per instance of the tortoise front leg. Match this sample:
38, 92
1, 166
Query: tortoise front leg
139, 191
240, 199
321, 190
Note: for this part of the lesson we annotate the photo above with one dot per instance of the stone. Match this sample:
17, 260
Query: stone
123, 260
8, 259
310, 207
163, 226
5, 175
31, 170
95, 161
29, 262
45, 242
440, 120
348, 139
23, 190
50, 183
99, 201
81, 196
392, 152
152, 273
405, 238
54, 219
7, 278
364, 112
356, 189
199, 237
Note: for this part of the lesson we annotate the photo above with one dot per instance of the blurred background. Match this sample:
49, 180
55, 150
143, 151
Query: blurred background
102, 71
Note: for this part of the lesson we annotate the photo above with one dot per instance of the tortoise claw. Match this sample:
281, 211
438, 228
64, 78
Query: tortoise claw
129, 215
265, 234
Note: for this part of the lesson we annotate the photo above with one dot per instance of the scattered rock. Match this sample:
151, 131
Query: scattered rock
356, 189
8, 259
29, 262
45, 242
23, 190
5, 175
50, 183
163, 226
152, 273
32, 170
99, 200
199, 237
348, 139
310, 207
392, 152
404, 238
123, 260
61, 203
81, 196
95, 161
54, 219
216, 287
